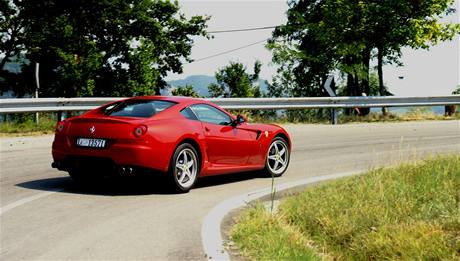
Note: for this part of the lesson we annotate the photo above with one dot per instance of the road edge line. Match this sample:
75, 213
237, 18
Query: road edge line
211, 235
26, 200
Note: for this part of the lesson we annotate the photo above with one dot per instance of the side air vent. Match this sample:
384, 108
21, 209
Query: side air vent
258, 134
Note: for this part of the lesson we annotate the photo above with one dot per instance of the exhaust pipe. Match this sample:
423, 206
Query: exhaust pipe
125, 171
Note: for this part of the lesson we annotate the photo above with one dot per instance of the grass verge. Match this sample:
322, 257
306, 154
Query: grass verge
410, 212
28, 127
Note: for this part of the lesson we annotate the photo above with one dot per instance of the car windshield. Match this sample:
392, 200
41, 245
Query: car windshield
137, 108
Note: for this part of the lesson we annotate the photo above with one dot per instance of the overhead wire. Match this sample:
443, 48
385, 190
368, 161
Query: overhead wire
229, 51
238, 48
243, 30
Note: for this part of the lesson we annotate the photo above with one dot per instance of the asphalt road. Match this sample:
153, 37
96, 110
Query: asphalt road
45, 216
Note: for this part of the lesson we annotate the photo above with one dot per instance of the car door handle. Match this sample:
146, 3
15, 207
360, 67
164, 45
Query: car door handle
206, 129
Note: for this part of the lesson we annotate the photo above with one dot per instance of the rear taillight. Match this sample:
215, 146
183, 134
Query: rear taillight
140, 130
60, 126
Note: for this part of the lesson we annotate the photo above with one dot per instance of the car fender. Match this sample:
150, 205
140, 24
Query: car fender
198, 141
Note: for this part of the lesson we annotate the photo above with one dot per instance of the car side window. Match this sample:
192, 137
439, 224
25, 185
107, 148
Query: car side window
187, 113
210, 114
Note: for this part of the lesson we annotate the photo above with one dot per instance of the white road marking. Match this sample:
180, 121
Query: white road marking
26, 200
211, 235
397, 140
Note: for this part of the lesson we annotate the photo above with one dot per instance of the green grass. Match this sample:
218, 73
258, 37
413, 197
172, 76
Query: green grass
28, 126
410, 212
262, 236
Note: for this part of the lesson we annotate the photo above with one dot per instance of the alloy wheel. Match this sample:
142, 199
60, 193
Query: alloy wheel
186, 168
278, 157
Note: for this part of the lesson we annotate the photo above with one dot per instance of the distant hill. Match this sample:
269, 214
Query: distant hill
200, 83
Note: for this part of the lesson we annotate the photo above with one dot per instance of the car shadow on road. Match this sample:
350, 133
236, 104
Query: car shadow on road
129, 186
227, 178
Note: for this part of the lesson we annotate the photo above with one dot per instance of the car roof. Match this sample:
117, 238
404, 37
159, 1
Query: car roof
181, 101
177, 99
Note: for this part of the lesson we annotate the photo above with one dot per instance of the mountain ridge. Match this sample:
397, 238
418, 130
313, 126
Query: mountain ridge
200, 83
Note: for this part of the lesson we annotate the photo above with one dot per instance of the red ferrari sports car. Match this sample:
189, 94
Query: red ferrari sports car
184, 138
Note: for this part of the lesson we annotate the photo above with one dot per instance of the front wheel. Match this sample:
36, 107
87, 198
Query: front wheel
277, 157
184, 168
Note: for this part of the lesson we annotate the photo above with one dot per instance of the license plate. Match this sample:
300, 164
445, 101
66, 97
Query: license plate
92, 143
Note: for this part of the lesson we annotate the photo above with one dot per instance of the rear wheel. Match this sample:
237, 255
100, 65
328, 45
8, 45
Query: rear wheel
79, 176
277, 157
184, 168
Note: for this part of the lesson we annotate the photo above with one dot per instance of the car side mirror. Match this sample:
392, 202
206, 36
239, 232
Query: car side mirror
240, 119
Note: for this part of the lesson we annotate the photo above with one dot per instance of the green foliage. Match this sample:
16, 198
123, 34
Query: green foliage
104, 48
321, 37
234, 81
410, 212
11, 34
457, 90
186, 90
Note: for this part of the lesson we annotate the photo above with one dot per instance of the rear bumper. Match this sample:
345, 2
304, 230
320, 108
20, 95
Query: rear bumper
120, 153
99, 166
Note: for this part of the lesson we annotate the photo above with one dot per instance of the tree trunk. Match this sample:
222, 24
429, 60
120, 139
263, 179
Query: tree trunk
365, 82
380, 72
350, 87
366, 57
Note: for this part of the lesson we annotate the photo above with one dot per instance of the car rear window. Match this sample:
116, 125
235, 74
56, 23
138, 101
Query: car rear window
137, 108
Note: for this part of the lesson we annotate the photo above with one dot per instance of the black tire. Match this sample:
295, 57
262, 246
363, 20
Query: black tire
79, 177
183, 179
275, 157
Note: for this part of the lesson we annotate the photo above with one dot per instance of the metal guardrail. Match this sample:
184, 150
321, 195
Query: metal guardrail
19, 105
334, 102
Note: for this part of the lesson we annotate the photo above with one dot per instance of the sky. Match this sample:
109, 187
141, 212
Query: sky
425, 72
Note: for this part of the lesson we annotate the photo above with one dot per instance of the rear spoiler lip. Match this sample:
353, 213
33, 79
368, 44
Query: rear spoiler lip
107, 119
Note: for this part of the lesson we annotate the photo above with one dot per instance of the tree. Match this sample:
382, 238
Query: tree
186, 90
306, 57
104, 48
407, 23
457, 90
374, 88
323, 36
234, 81
11, 32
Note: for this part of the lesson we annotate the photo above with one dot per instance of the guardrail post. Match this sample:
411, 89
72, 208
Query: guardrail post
59, 116
334, 116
